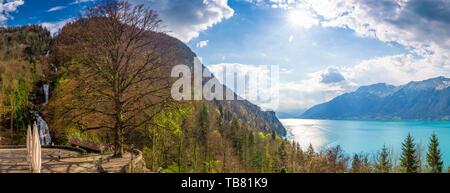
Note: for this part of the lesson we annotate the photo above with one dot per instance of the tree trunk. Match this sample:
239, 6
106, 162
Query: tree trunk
195, 156
12, 124
118, 146
224, 160
118, 153
153, 167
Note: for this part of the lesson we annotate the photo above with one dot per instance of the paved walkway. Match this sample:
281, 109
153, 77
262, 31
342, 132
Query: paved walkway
59, 161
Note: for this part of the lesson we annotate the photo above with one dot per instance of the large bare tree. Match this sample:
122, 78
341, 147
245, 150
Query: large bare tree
122, 74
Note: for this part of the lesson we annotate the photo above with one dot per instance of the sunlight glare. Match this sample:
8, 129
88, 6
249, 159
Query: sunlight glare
302, 18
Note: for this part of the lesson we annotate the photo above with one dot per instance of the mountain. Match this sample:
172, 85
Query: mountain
418, 100
288, 115
242, 110
24, 42
180, 136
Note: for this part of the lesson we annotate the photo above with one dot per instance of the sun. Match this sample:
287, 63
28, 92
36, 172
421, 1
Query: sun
302, 18
294, 17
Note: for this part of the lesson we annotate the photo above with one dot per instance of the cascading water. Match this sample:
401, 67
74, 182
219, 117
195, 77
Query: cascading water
46, 88
44, 133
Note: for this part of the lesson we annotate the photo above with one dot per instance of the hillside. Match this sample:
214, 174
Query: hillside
21, 66
175, 136
225, 134
23, 43
243, 110
421, 100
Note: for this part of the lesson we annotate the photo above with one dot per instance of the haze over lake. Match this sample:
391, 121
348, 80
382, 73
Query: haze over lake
367, 136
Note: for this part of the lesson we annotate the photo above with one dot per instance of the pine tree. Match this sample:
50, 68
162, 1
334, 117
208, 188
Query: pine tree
434, 159
310, 150
299, 158
361, 163
408, 159
384, 163
282, 155
203, 123
356, 163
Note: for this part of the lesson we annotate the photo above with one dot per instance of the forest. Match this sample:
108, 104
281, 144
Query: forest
110, 90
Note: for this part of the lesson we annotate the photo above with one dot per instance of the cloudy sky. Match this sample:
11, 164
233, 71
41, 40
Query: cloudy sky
324, 47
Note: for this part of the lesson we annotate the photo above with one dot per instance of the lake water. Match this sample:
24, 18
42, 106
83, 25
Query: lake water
367, 136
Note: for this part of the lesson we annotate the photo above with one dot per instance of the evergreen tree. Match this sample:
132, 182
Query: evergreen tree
384, 163
434, 159
203, 123
274, 135
356, 163
310, 151
257, 161
408, 159
360, 163
299, 158
282, 155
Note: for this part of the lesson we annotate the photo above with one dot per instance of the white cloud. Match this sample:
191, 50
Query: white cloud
54, 27
283, 4
291, 38
202, 43
397, 70
423, 27
333, 75
300, 95
186, 19
404, 22
324, 85
56, 8
301, 16
257, 83
7, 7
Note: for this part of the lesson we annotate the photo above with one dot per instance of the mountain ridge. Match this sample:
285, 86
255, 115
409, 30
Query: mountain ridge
416, 100
244, 110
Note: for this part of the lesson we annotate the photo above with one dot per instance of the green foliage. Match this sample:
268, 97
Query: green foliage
19, 46
384, 162
174, 168
361, 163
170, 118
408, 160
15, 82
434, 159
283, 157
20, 105
258, 161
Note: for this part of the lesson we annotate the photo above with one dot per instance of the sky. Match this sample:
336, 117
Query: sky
324, 48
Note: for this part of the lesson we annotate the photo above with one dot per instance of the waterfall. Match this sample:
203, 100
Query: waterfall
44, 133
46, 88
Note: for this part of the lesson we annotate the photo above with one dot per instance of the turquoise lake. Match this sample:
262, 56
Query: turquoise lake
368, 136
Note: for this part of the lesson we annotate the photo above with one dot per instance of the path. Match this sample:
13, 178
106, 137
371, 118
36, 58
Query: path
58, 161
